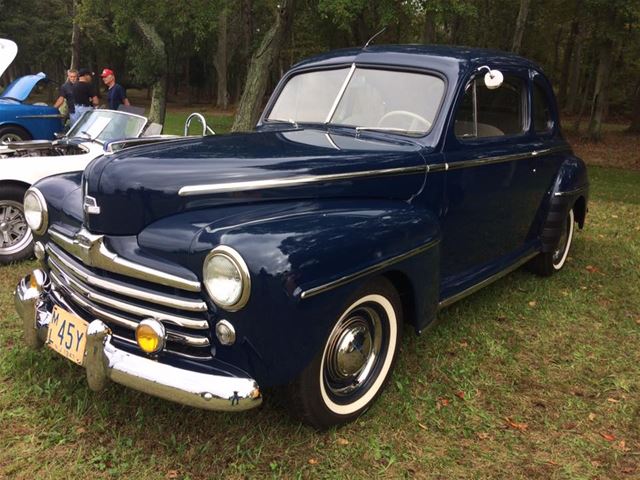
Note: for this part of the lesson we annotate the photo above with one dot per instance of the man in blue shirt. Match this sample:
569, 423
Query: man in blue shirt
116, 94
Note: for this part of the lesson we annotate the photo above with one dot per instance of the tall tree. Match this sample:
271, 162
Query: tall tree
75, 36
520, 26
634, 127
157, 51
262, 63
222, 58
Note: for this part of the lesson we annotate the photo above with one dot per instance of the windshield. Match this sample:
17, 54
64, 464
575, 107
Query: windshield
107, 125
365, 98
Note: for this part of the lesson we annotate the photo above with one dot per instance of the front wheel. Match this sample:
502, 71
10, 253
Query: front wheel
355, 362
546, 263
16, 240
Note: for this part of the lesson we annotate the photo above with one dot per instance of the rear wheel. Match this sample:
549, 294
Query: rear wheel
16, 240
546, 263
13, 133
356, 360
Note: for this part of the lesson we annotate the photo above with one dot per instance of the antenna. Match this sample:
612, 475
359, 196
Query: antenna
374, 36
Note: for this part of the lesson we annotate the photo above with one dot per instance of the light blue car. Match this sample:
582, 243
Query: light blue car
20, 120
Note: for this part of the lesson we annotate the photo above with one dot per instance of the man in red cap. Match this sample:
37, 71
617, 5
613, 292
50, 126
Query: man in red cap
116, 94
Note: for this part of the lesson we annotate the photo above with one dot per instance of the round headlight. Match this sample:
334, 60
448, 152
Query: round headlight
35, 211
226, 278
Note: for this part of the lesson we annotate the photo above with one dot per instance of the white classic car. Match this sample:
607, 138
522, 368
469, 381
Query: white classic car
23, 163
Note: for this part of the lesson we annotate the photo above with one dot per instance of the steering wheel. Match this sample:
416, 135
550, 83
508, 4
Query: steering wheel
414, 117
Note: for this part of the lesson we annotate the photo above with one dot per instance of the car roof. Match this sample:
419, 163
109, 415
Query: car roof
437, 57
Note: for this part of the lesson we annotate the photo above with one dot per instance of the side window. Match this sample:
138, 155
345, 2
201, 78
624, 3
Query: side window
542, 121
491, 113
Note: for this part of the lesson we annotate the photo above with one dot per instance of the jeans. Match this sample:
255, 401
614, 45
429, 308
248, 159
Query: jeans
80, 109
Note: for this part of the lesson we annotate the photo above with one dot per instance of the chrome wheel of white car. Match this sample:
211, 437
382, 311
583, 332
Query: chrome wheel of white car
15, 237
356, 361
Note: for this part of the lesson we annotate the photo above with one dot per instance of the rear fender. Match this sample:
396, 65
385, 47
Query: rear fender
570, 190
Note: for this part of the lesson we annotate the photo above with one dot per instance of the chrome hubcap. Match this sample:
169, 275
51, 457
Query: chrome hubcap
352, 350
14, 233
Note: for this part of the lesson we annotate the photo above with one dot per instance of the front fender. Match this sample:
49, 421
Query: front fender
295, 248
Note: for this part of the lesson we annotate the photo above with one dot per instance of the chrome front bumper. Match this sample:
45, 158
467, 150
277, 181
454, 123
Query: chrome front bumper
104, 361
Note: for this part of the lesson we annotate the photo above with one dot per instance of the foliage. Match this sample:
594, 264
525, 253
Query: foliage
557, 35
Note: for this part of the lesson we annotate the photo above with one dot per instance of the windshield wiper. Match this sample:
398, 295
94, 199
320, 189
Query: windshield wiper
386, 129
85, 134
279, 120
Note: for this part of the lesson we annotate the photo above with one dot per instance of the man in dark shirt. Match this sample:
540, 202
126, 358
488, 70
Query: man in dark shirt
116, 94
84, 94
66, 91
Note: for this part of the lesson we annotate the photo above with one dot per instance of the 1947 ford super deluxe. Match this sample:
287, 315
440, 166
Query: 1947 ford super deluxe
381, 185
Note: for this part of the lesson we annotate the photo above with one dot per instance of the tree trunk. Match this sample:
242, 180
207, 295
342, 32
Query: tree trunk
600, 97
221, 60
262, 63
159, 88
75, 38
634, 127
520, 24
429, 28
568, 54
573, 94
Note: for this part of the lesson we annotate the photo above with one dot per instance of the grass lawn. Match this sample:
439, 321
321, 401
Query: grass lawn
529, 378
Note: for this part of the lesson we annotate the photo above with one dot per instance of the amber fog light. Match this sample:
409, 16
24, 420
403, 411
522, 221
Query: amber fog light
225, 332
150, 335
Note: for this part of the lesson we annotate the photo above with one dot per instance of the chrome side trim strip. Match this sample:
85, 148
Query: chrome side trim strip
146, 295
580, 189
367, 271
474, 288
95, 296
249, 185
91, 250
506, 158
72, 289
293, 181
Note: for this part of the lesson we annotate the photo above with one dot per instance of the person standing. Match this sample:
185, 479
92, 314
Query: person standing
84, 94
66, 91
116, 94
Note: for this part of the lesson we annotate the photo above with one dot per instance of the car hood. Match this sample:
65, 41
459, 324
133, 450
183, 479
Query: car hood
21, 88
8, 51
138, 186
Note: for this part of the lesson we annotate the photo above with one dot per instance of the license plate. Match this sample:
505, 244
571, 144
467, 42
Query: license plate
67, 335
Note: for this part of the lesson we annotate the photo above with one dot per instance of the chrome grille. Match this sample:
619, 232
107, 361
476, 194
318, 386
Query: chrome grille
122, 302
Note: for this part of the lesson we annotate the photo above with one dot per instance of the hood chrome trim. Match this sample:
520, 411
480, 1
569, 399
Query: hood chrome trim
294, 181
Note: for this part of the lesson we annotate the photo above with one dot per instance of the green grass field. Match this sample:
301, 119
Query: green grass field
529, 378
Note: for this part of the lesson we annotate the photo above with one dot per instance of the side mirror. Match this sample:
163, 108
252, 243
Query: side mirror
493, 78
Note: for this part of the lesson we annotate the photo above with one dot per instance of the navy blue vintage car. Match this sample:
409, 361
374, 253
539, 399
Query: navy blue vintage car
382, 184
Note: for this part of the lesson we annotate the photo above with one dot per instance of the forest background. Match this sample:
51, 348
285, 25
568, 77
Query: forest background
230, 53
